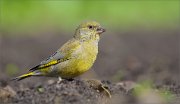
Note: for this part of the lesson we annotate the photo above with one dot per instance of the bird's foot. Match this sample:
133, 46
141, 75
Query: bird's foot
59, 80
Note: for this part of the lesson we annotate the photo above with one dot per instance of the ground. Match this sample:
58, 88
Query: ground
132, 67
83, 92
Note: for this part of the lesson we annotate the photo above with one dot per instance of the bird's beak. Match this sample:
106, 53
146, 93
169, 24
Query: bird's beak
100, 30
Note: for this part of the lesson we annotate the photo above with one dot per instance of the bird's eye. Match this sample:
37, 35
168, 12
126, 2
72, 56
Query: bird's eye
90, 27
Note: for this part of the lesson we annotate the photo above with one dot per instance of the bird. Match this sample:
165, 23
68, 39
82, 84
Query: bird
74, 58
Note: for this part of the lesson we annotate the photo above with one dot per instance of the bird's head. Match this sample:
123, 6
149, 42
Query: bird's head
89, 30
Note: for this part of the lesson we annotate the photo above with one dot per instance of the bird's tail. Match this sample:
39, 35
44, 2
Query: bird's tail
24, 76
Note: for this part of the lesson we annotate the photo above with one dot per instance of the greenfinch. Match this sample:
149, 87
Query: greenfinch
74, 58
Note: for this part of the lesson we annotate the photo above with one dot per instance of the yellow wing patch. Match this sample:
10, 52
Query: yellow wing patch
49, 64
54, 62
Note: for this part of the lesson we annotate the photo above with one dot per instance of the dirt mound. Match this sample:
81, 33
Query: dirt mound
88, 92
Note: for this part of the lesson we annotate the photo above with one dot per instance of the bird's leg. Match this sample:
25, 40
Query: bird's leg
59, 80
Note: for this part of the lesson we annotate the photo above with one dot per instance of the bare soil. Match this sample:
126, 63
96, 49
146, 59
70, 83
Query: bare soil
125, 60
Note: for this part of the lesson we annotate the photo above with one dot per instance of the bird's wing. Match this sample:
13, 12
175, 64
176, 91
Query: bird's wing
54, 59
61, 55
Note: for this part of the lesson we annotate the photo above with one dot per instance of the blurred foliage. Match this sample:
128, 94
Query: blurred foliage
167, 95
146, 93
11, 69
145, 85
31, 15
118, 76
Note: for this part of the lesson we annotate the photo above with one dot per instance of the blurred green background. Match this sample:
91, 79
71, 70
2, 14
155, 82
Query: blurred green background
35, 15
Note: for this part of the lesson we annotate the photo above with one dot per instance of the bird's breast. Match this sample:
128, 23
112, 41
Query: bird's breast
86, 58
87, 55
86, 51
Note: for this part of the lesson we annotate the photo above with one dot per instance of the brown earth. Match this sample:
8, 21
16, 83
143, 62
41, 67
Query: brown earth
125, 60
